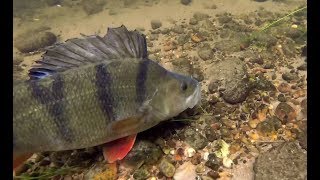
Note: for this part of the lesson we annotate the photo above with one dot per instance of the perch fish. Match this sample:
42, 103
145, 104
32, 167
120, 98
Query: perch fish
96, 90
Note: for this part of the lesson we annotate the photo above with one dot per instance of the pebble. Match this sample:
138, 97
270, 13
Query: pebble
298, 93
213, 86
227, 162
200, 16
289, 76
190, 152
205, 53
193, 21
185, 2
214, 162
165, 31
206, 156
268, 66
282, 98
285, 112
303, 67
46, 161
213, 174
200, 168
253, 123
284, 88
269, 126
223, 19
304, 51
155, 24
93, 6
206, 178
141, 174
178, 29
196, 159
195, 139
167, 168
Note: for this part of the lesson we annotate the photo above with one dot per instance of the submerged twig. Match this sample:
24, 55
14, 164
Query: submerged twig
278, 20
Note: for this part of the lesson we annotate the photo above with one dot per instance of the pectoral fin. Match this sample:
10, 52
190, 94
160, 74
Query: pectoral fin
118, 149
18, 160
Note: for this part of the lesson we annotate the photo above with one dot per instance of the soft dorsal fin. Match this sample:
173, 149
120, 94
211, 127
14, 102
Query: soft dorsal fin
117, 44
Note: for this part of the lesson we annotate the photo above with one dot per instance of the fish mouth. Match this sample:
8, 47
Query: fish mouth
194, 98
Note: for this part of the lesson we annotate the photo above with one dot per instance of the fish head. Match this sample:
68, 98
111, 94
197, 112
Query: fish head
174, 94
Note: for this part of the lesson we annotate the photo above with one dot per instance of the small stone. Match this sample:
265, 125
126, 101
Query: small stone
284, 87
211, 134
93, 6
262, 83
165, 31
268, 66
178, 29
190, 152
213, 86
200, 16
185, 2
223, 19
303, 67
186, 171
298, 93
206, 156
282, 98
45, 162
167, 168
200, 168
213, 174
269, 126
205, 53
225, 132
289, 76
304, 51
196, 159
193, 21
213, 99
214, 162
294, 33
195, 139
155, 24
206, 178
257, 60
227, 162
285, 112
183, 39
143, 152
153, 37
141, 174
253, 123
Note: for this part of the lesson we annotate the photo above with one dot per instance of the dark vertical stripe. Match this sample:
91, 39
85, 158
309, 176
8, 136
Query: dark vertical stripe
103, 84
141, 81
44, 95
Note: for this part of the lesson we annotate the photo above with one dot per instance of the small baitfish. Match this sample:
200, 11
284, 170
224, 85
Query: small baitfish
94, 90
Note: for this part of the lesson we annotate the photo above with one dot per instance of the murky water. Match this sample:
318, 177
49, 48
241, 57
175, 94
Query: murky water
248, 55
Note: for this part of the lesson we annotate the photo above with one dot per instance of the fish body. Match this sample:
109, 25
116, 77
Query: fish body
91, 91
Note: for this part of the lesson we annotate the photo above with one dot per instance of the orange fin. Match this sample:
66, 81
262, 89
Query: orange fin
18, 160
118, 149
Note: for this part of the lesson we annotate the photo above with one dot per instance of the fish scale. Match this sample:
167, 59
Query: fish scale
91, 91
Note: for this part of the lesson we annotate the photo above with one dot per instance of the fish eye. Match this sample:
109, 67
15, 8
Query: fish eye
184, 86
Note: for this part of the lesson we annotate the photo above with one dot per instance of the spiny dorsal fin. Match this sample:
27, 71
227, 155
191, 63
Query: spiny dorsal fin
117, 44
